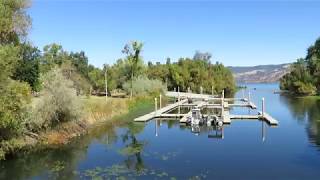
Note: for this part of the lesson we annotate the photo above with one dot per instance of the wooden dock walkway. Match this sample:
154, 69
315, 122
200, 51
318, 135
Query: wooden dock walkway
268, 118
170, 115
159, 111
248, 104
188, 95
236, 116
207, 105
201, 96
226, 117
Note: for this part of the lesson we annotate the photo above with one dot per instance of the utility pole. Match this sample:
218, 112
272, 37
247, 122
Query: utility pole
106, 81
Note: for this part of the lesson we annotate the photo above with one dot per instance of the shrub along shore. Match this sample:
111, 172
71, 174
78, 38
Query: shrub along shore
96, 110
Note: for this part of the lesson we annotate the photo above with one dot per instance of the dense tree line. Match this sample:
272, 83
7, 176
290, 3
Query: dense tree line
304, 78
192, 74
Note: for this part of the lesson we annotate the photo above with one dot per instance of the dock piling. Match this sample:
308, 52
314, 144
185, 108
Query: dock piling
263, 108
222, 104
155, 105
160, 102
178, 100
212, 90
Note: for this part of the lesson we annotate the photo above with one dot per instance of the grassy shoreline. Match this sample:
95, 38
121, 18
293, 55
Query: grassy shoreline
96, 110
312, 97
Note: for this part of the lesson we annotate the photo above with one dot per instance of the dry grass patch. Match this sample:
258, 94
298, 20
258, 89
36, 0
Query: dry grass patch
98, 109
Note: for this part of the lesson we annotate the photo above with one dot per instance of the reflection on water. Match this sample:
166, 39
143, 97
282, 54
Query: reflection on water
211, 131
306, 111
215, 132
133, 147
166, 149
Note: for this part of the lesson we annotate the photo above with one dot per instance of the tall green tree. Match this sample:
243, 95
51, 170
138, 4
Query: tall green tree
132, 51
313, 62
14, 21
53, 54
80, 61
13, 95
27, 68
14, 25
304, 77
96, 78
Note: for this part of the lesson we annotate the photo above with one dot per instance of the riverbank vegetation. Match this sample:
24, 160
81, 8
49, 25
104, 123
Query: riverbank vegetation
304, 78
46, 95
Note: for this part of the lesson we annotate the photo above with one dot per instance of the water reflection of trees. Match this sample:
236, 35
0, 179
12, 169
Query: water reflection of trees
133, 147
56, 164
306, 110
62, 162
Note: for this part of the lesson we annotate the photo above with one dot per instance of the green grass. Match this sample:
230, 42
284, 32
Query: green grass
311, 97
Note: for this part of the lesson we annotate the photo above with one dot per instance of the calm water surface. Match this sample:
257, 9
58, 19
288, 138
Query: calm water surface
249, 149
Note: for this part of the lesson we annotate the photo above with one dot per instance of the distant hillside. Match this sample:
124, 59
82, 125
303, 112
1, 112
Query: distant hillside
259, 74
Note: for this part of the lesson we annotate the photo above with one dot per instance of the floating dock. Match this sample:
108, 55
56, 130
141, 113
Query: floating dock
201, 101
265, 116
158, 113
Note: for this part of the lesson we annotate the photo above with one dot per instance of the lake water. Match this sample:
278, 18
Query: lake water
246, 149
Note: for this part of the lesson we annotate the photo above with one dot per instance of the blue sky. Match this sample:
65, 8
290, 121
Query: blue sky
237, 33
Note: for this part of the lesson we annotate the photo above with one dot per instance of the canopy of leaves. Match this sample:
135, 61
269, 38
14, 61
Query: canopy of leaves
304, 78
13, 100
13, 95
27, 68
193, 74
9, 57
14, 21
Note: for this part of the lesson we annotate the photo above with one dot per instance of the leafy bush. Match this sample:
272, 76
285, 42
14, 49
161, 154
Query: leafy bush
305, 88
143, 86
58, 102
13, 103
10, 146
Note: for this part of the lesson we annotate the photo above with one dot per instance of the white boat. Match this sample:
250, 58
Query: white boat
195, 118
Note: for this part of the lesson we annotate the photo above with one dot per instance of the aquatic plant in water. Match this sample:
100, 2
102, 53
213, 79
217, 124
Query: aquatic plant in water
162, 156
57, 166
121, 172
